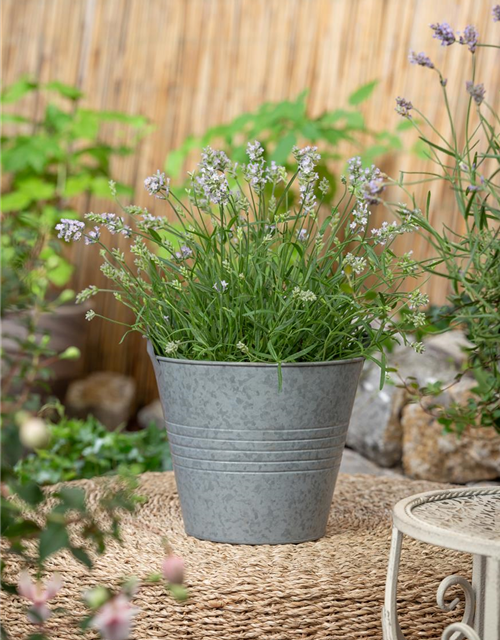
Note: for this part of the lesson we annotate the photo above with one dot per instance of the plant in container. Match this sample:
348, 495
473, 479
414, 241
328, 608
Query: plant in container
258, 317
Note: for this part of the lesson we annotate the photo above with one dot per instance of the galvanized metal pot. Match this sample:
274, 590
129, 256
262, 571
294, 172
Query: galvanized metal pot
255, 465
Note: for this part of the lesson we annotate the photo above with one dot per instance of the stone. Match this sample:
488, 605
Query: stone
374, 429
452, 345
151, 414
431, 454
353, 463
106, 395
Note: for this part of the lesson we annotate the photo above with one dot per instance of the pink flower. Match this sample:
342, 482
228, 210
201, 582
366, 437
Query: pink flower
113, 620
38, 595
173, 569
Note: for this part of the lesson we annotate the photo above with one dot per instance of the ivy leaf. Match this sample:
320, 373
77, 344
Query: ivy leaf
73, 497
82, 556
30, 493
53, 538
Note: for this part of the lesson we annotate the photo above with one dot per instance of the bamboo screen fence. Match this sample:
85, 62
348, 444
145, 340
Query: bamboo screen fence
190, 64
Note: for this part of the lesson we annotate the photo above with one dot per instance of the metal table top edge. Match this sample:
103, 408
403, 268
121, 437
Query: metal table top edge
410, 525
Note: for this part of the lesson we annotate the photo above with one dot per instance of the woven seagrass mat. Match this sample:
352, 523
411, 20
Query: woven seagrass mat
330, 589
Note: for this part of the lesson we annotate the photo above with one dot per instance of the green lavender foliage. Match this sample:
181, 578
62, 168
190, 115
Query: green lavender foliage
468, 161
252, 278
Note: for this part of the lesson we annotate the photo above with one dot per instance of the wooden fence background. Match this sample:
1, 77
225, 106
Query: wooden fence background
190, 64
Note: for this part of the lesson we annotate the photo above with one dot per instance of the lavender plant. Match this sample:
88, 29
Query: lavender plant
240, 276
469, 162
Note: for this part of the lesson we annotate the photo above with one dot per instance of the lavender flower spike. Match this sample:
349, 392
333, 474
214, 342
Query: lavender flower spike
154, 184
70, 229
444, 33
470, 37
421, 59
403, 107
476, 91
496, 13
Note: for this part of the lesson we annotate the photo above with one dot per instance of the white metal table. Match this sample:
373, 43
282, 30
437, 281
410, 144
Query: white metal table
465, 520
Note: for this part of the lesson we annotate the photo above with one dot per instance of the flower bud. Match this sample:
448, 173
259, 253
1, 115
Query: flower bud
33, 433
173, 569
71, 353
96, 597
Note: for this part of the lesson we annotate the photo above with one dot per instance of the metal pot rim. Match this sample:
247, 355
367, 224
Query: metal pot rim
288, 365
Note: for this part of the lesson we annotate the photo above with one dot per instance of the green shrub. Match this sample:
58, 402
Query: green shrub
85, 448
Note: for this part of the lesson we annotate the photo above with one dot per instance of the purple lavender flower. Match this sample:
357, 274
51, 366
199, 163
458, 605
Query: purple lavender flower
70, 229
184, 253
93, 236
156, 183
473, 188
255, 150
496, 13
302, 235
421, 59
210, 184
372, 190
470, 37
403, 107
444, 33
307, 159
367, 183
476, 91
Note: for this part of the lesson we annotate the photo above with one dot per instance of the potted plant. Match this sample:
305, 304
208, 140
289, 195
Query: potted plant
258, 318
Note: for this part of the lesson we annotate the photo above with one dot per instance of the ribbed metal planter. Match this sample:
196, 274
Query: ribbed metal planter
255, 465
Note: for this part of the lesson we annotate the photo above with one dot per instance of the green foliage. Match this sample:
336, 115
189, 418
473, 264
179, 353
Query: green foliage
85, 448
467, 258
282, 125
47, 162
253, 278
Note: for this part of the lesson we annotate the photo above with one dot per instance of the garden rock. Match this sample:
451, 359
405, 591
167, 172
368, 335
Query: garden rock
374, 430
151, 414
375, 427
106, 395
451, 345
431, 454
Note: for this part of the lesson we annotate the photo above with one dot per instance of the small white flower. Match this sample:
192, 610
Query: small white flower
419, 319
358, 263
171, 348
221, 286
417, 299
303, 295
90, 315
418, 347
242, 347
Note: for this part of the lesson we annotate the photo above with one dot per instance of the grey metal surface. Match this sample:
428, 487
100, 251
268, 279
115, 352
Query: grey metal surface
255, 465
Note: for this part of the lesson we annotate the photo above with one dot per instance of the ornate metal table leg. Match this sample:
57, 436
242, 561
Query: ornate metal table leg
390, 624
478, 583
491, 609
463, 631
457, 631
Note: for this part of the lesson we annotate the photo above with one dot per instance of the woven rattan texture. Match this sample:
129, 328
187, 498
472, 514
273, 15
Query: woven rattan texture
330, 589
